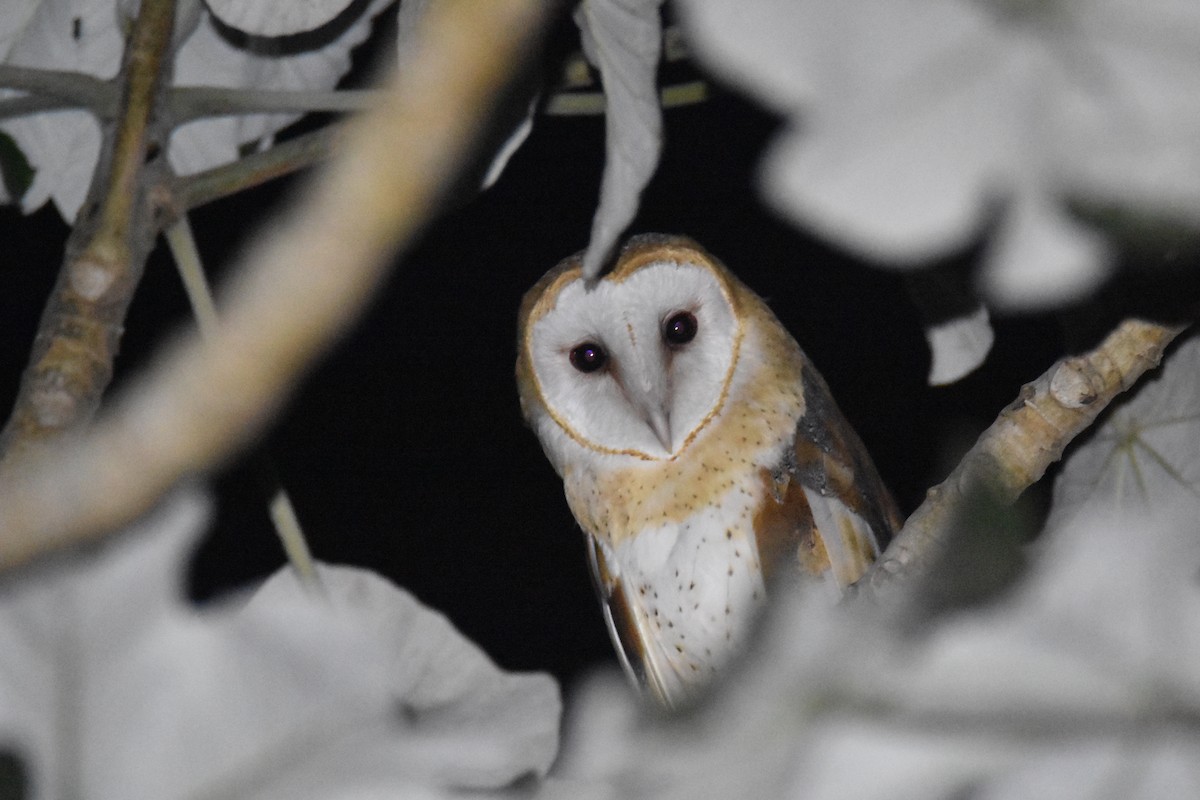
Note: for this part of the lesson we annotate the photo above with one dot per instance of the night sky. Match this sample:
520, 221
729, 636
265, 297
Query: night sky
404, 449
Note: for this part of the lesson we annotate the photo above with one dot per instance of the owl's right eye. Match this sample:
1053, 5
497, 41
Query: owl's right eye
588, 357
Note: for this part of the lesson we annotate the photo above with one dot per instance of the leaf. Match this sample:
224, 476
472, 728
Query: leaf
957, 325
86, 36
61, 146
958, 346
913, 121
209, 59
276, 17
622, 38
110, 687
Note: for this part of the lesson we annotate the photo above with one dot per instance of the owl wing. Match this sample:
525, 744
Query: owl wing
828, 503
627, 625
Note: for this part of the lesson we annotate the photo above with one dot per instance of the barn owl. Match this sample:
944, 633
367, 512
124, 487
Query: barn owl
700, 452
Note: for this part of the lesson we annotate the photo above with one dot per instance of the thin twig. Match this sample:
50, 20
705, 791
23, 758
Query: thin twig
285, 158
32, 104
1027, 437
580, 104
191, 271
77, 89
192, 191
283, 514
80, 330
294, 292
192, 102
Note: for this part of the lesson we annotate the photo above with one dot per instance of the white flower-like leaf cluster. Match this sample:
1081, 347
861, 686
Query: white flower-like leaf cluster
916, 122
88, 36
112, 687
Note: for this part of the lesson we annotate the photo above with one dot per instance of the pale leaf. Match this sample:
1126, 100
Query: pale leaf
209, 59
88, 36
957, 325
111, 687
623, 38
958, 346
61, 146
913, 122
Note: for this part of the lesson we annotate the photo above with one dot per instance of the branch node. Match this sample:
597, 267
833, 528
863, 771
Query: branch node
1076, 383
91, 278
55, 405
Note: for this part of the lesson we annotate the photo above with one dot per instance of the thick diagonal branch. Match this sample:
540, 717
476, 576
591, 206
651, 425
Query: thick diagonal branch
294, 293
1028, 436
80, 329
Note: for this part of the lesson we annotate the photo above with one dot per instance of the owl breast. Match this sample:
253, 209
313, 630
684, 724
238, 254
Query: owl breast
692, 585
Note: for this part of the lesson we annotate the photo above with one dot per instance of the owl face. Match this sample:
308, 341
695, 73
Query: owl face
640, 362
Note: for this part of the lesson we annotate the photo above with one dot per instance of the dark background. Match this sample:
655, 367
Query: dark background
404, 449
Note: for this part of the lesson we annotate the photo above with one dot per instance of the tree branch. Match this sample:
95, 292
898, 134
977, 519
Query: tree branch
192, 102
195, 190
1027, 437
295, 291
72, 89
31, 104
80, 330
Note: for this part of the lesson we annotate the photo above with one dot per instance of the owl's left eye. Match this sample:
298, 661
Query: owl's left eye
680, 328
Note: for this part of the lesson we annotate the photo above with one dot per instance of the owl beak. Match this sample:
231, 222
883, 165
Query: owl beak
643, 379
645, 396
659, 421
